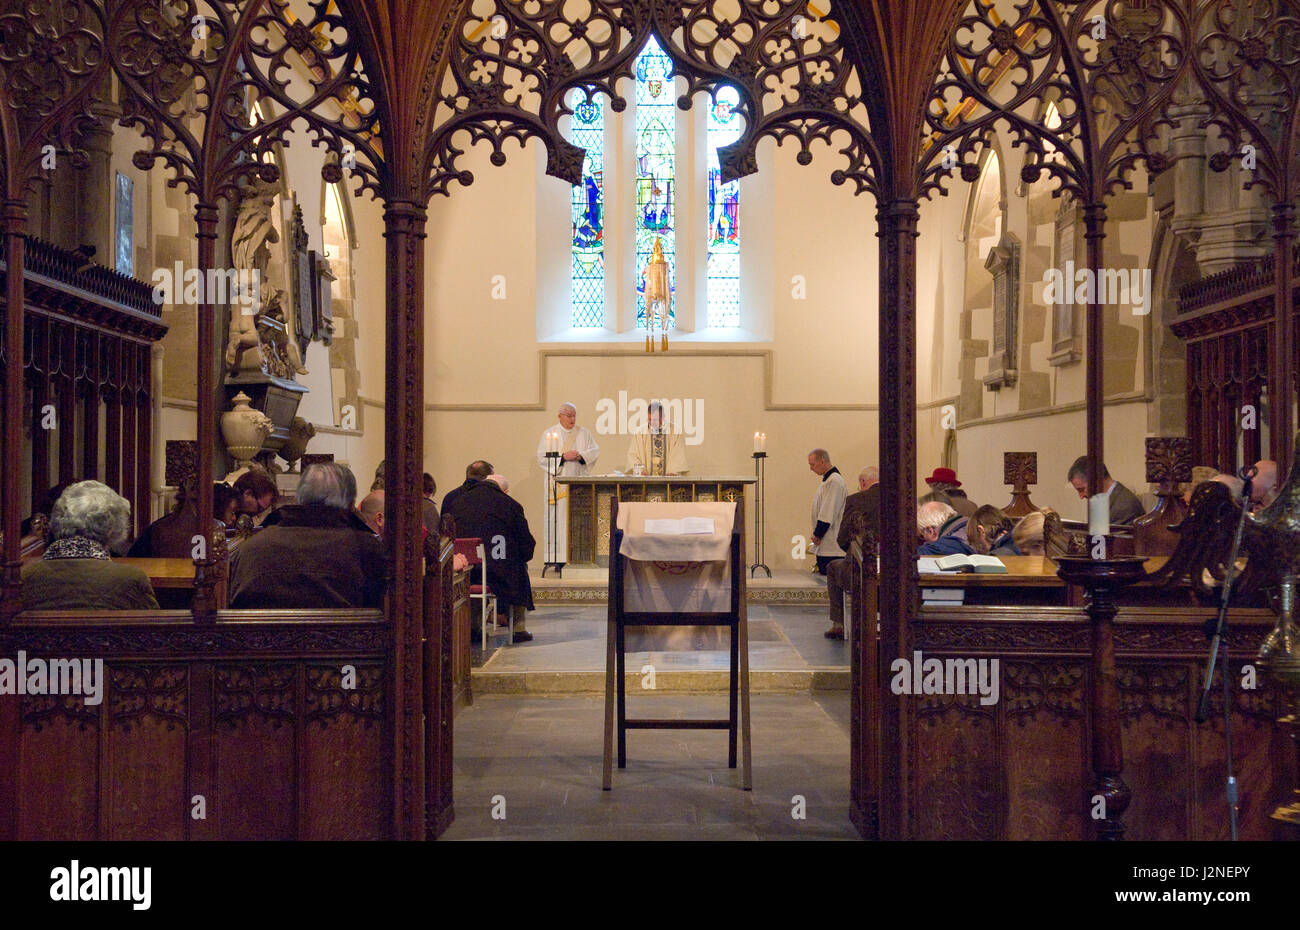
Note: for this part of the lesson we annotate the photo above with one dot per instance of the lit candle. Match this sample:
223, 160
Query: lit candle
756, 448
762, 442
1099, 515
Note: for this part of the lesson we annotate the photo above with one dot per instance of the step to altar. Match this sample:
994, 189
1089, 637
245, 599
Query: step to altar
589, 586
787, 654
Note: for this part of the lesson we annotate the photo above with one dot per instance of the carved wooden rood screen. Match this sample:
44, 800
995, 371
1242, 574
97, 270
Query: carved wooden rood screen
395, 90
87, 363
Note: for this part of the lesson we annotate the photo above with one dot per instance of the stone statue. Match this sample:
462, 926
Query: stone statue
250, 241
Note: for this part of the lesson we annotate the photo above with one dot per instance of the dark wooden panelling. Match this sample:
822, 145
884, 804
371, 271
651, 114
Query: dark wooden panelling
1020, 769
251, 712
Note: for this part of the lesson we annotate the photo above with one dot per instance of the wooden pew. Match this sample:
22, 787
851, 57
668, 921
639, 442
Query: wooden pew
257, 724
1020, 768
248, 721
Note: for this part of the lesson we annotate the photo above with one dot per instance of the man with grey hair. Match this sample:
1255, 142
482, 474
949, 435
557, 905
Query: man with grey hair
827, 509
76, 571
316, 553
942, 529
861, 517
578, 453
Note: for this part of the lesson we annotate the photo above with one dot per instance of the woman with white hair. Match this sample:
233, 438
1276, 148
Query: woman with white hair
77, 571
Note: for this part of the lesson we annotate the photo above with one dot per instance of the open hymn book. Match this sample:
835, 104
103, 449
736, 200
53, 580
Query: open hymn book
957, 562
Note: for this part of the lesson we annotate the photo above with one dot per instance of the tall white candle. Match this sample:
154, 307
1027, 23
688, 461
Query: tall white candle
1098, 515
756, 449
762, 442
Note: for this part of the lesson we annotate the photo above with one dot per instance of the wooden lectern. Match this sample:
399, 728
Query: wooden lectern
664, 580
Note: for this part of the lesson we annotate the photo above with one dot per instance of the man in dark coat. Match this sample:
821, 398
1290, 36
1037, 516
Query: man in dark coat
481, 509
861, 514
315, 553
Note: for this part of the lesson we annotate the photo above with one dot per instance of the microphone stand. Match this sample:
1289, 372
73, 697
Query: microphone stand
1221, 628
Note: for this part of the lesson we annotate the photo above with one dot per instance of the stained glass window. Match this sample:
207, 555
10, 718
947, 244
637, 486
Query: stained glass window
656, 123
587, 306
723, 237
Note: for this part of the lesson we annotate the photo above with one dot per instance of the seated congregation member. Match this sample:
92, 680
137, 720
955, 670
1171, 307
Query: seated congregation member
371, 510
428, 487
861, 515
1263, 488
172, 536
475, 471
1028, 534
990, 532
945, 480
1200, 474
943, 530
481, 509
255, 495
428, 509
1124, 504
77, 571
318, 552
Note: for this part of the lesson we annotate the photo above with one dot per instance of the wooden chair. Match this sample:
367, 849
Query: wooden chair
471, 547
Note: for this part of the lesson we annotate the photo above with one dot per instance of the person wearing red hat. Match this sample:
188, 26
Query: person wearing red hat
945, 480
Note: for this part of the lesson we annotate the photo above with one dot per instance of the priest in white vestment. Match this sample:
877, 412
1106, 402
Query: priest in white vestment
578, 453
660, 450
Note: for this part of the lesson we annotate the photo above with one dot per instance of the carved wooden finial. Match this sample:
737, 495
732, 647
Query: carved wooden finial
1169, 461
1020, 470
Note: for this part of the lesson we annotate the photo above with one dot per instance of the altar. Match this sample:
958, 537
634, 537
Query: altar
589, 499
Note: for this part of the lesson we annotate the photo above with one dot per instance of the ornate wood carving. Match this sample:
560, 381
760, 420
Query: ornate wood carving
1169, 461
327, 698
266, 690
139, 691
1241, 50
1020, 470
755, 47
181, 461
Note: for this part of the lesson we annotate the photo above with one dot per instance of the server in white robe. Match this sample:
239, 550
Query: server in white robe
578, 453
827, 509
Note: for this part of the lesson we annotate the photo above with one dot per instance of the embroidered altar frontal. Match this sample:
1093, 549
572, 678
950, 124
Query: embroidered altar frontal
589, 499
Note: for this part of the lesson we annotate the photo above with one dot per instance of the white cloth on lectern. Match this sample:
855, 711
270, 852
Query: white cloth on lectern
582, 442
